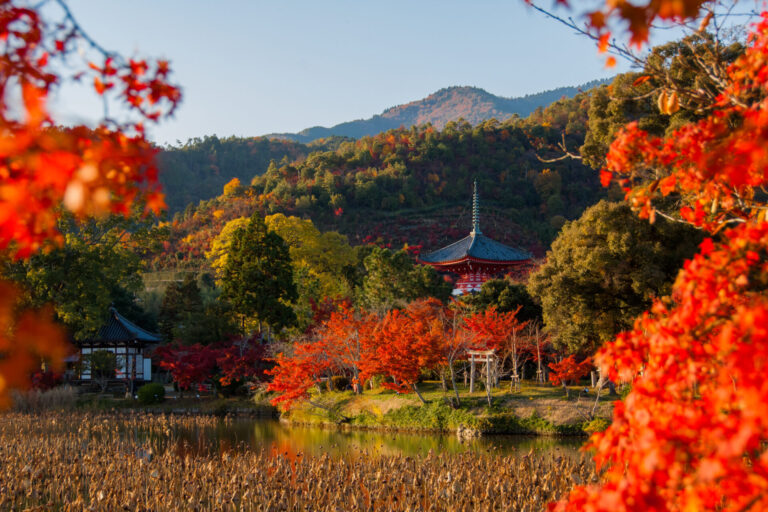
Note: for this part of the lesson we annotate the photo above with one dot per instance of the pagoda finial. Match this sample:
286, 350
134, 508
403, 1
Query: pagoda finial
475, 211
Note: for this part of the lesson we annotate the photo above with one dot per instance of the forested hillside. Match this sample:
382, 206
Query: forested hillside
412, 186
198, 169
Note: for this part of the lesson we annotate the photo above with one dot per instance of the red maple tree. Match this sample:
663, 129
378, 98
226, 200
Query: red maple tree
347, 341
223, 363
691, 433
293, 376
568, 370
409, 341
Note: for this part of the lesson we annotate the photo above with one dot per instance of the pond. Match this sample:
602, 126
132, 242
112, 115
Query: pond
273, 436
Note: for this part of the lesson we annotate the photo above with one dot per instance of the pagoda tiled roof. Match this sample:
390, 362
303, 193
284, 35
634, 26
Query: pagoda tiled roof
120, 329
477, 246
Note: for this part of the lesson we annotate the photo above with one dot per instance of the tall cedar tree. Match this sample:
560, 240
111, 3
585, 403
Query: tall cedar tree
258, 277
182, 303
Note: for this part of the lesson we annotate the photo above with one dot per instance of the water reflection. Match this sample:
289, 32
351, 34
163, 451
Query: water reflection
275, 437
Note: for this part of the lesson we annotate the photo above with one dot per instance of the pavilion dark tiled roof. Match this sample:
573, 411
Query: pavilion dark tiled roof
120, 329
477, 246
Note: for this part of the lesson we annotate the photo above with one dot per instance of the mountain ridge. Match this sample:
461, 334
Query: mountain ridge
473, 104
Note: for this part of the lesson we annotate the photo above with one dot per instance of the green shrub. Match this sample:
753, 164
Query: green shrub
434, 415
596, 425
338, 383
152, 393
374, 382
624, 391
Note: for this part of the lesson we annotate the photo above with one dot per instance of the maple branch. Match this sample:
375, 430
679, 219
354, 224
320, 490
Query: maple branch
566, 153
613, 48
76, 28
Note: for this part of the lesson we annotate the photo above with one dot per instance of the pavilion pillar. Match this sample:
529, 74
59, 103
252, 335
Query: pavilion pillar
472, 373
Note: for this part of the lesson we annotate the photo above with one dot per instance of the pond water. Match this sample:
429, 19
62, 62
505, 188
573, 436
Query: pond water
273, 436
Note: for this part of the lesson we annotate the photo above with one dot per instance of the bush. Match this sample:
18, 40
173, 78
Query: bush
624, 391
338, 383
596, 425
152, 393
434, 415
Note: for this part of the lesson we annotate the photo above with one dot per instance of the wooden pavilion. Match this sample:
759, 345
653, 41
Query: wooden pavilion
128, 342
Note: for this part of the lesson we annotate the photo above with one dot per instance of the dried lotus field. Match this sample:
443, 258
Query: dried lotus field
81, 461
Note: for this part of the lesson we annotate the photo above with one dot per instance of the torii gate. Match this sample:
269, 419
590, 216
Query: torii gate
482, 356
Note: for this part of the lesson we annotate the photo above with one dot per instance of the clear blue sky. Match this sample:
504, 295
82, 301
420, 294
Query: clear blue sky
253, 67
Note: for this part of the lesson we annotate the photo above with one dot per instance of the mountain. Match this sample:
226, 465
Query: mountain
199, 169
472, 104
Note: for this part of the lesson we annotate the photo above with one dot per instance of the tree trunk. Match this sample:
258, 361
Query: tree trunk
455, 389
357, 387
416, 390
472, 375
442, 380
565, 387
593, 378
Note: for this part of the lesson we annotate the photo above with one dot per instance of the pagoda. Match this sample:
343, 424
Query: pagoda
476, 258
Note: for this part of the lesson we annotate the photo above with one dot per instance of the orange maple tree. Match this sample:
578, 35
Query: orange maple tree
501, 332
568, 370
344, 343
691, 433
46, 169
293, 376
409, 341
347, 341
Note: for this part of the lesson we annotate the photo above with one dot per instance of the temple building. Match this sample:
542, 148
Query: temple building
128, 342
476, 258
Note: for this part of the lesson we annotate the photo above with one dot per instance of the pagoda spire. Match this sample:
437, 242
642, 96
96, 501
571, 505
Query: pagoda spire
475, 211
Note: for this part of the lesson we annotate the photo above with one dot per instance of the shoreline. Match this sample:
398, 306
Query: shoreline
461, 432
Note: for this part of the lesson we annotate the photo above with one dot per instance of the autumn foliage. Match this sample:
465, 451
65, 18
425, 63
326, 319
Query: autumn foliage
691, 433
568, 370
426, 335
360, 345
409, 341
45, 169
222, 364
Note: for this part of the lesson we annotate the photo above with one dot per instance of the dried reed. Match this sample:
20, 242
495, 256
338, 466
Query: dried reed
68, 462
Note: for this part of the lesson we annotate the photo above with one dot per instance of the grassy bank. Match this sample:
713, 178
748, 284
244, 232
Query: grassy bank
206, 405
536, 409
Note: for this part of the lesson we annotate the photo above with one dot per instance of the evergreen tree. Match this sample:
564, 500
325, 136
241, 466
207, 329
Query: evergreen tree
257, 278
182, 306
392, 280
505, 296
603, 270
